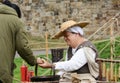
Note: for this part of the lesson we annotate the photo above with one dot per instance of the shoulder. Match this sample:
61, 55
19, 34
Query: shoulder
80, 51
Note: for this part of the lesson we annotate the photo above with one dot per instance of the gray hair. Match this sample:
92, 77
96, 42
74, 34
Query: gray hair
76, 29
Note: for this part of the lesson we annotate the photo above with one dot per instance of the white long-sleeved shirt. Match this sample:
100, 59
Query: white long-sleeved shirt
77, 61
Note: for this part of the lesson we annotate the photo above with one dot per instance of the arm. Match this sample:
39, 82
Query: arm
23, 47
76, 62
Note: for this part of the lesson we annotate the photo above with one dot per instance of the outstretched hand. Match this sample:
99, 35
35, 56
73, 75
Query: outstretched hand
45, 64
39, 61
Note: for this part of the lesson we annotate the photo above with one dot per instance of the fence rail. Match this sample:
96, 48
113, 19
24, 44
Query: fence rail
109, 70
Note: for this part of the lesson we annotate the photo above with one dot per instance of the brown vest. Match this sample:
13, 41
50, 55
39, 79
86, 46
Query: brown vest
85, 68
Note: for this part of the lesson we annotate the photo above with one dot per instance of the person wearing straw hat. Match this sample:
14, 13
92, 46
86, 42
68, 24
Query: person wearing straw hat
13, 39
81, 54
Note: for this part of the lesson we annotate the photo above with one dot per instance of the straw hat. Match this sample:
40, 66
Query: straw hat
67, 25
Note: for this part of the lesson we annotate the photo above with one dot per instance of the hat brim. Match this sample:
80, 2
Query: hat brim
61, 33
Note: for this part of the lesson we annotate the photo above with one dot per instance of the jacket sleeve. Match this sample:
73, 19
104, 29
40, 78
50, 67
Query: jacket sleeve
23, 47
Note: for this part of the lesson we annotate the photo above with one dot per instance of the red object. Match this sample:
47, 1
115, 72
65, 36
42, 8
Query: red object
29, 75
23, 73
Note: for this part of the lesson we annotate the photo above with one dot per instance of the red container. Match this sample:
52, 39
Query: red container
29, 75
23, 73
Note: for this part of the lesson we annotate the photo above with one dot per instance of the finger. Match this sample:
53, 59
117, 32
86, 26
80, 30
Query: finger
39, 60
43, 60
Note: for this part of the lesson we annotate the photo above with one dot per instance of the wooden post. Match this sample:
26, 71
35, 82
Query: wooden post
104, 70
46, 43
46, 38
107, 74
119, 72
115, 75
100, 69
111, 50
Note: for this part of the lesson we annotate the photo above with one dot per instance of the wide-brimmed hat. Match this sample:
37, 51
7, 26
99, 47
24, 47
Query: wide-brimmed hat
67, 25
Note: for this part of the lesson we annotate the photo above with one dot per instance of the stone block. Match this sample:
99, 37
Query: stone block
76, 4
28, 8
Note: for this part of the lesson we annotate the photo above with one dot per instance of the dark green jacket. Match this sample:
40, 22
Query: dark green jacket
12, 38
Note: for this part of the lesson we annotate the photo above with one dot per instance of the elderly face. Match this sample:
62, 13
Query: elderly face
70, 38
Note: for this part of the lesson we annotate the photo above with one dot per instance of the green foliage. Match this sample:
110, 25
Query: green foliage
17, 75
106, 46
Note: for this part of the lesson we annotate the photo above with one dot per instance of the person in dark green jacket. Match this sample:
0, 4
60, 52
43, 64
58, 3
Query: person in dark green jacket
12, 38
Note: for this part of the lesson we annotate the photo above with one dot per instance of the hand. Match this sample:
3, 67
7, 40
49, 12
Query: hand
39, 61
45, 64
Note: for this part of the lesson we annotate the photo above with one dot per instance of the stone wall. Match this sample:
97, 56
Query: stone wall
42, 15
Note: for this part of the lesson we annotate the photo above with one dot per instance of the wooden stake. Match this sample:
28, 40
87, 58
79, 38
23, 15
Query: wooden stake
115, 76
107, 74
104, 70
111, 50
119, 72
111, 71
46, 44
